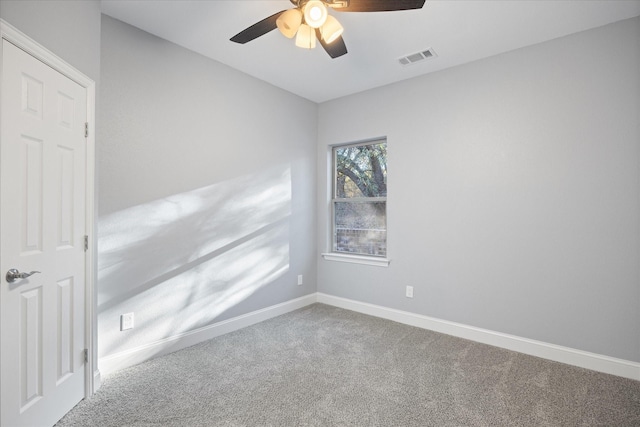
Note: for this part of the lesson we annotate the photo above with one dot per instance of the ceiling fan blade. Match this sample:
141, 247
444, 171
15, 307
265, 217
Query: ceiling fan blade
336, 48
258, 29
380, 5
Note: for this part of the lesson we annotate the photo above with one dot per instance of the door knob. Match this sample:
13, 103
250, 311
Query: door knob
13, 275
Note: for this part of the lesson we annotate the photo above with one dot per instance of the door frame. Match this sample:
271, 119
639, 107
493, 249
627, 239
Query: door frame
33, 48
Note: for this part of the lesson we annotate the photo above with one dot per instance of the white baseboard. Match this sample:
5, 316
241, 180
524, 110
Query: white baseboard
97, 381
570, 356
115, 362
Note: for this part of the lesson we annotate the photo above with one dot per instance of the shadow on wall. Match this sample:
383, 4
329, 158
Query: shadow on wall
180, 262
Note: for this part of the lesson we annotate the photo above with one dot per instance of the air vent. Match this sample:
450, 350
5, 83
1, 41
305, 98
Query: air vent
417, 57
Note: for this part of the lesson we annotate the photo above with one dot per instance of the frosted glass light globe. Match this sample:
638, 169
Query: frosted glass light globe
315, 13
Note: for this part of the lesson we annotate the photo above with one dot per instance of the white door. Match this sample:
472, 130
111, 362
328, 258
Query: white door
42, 227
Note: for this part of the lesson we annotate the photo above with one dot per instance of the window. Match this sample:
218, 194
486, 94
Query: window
360, 199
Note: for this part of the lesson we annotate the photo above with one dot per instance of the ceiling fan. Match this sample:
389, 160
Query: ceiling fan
309, 20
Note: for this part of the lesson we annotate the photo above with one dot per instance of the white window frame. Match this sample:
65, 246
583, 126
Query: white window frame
334, 255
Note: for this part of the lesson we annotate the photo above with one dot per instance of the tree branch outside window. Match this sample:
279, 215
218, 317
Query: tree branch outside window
360, 199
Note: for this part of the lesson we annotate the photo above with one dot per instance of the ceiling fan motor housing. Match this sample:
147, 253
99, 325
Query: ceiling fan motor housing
336, 4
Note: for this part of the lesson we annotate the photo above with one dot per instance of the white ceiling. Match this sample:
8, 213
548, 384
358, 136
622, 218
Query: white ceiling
458, 31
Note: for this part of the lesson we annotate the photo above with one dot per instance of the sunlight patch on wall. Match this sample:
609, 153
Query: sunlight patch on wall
181, 261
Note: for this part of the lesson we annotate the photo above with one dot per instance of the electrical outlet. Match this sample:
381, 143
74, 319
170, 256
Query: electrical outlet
409, 292
126, 321
299, 279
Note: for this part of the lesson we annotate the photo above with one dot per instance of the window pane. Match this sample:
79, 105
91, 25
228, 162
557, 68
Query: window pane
361, 228
361, 171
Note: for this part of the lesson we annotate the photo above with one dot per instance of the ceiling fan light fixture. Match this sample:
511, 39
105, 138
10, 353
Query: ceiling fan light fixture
331, 30
306, 37
315, 13
289, 21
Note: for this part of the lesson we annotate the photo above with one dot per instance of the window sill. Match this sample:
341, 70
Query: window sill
357, 259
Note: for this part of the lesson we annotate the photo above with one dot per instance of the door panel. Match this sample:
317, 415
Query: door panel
42, 224
65, 329
30, 194
31, 346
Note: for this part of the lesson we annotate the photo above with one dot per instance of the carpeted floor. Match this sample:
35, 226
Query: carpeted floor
324, 366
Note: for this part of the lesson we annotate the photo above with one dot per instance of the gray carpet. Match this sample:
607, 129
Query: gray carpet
324, 366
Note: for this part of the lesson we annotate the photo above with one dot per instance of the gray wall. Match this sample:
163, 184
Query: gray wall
70, 29
513, 192
206, 192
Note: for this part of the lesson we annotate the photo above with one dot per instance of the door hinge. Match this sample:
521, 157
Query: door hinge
86, 129
86, 243
86, 355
